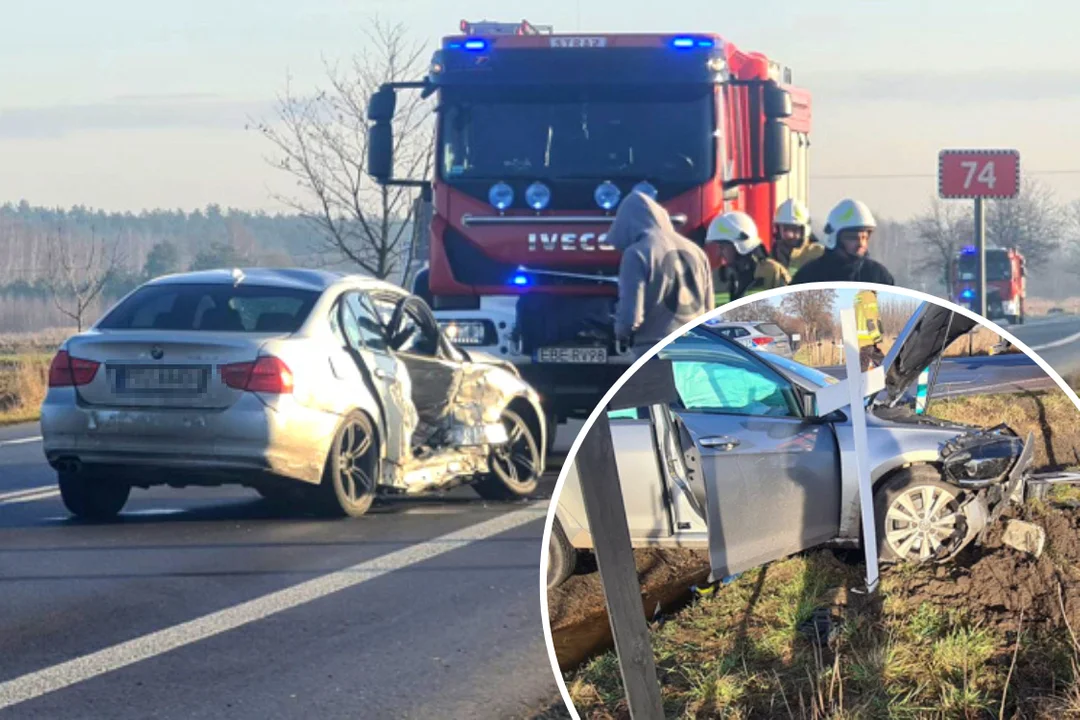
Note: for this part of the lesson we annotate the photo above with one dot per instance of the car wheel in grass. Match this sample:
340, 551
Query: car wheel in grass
919, 517
562, 557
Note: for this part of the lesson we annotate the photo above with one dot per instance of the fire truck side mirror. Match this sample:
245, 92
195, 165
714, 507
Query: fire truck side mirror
380, 160
777, 101
382, 105
776, 149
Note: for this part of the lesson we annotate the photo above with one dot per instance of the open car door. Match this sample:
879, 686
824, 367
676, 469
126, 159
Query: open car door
771, 475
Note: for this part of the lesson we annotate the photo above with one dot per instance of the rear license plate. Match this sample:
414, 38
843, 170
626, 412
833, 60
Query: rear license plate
161, 380
572, 356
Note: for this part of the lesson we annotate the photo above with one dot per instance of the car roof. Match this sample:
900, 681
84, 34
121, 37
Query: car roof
295, 278
741, 324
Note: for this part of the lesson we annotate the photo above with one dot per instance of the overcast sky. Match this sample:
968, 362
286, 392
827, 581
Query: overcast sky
129, 104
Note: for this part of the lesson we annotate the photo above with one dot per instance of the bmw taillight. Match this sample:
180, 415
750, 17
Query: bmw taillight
68, 371
763, 340
268, 374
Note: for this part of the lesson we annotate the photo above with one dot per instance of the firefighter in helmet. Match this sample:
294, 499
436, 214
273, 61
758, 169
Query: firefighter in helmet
847, 244
792, 246
868, 320
744, 266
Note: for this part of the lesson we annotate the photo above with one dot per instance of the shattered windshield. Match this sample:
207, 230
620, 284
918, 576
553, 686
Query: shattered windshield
578, 133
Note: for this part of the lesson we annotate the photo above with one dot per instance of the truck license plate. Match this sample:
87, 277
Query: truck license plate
578, 42
572, 356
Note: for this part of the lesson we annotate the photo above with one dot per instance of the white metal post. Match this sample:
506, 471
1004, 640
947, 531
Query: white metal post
862, 445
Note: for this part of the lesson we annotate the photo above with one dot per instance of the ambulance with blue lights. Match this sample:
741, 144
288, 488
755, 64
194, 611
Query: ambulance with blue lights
540, 135
1006, 284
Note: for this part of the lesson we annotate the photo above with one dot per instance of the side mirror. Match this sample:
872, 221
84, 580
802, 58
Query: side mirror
382, 105
777, 102
380, 158
777, 149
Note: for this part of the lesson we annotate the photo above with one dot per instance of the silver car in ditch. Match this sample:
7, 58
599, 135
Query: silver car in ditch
748, 464
308, 386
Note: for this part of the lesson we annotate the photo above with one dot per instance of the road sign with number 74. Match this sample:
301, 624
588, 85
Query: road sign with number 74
972, 174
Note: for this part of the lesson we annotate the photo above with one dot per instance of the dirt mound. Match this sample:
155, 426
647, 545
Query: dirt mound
578, 613
995, 582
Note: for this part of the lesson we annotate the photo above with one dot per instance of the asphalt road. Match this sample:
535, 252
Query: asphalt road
202, 603
1056, 339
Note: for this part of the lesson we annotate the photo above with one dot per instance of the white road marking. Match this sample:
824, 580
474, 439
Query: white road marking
58, 677
26, 491
1057, 343
21, 441
45, 495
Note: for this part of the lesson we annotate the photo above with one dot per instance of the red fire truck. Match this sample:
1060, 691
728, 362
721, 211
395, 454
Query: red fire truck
539, 136
1006, 286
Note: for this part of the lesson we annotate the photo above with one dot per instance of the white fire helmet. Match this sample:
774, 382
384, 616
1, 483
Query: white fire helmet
792, 212
847, 215
737, 228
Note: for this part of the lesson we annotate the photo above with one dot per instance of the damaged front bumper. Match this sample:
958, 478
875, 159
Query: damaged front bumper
995, 466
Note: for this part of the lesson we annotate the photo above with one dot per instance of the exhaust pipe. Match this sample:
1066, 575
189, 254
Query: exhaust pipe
69, 465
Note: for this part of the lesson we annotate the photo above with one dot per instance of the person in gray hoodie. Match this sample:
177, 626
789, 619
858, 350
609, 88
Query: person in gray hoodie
664, 278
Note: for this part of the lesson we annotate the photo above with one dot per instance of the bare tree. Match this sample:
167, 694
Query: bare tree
321, 140
1033, 222
894, 312
758, 311
943, 230
814, 308
78, 272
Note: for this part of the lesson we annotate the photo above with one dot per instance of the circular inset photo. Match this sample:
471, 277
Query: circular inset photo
825, 501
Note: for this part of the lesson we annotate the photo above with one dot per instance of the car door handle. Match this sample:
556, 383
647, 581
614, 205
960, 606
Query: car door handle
720, 442
382, 374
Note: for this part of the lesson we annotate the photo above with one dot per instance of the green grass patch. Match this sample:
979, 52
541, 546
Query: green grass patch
740, 654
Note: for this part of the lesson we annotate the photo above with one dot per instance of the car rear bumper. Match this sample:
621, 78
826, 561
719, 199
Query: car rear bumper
279, 437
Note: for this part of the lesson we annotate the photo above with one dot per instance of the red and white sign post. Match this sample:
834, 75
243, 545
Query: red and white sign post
979, 175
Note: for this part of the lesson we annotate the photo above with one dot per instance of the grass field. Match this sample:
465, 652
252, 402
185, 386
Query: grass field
978, 342
24, 373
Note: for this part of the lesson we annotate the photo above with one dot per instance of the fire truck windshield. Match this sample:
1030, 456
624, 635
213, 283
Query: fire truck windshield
997, 266
578, 133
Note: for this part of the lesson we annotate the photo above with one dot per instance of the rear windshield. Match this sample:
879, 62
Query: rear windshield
212, 308
771, 329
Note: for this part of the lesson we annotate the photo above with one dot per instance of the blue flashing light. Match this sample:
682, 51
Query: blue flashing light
476, 44
967, 294
968, 250
705, 43
683, 42
453, 46
520, 280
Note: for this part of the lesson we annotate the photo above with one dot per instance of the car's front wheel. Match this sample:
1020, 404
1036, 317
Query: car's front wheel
91, 498
350, 478
515, 465
919, 517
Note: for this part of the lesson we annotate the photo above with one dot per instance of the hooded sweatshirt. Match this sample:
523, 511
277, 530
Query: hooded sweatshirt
664, 279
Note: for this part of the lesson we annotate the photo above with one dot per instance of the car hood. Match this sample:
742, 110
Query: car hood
931, 329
